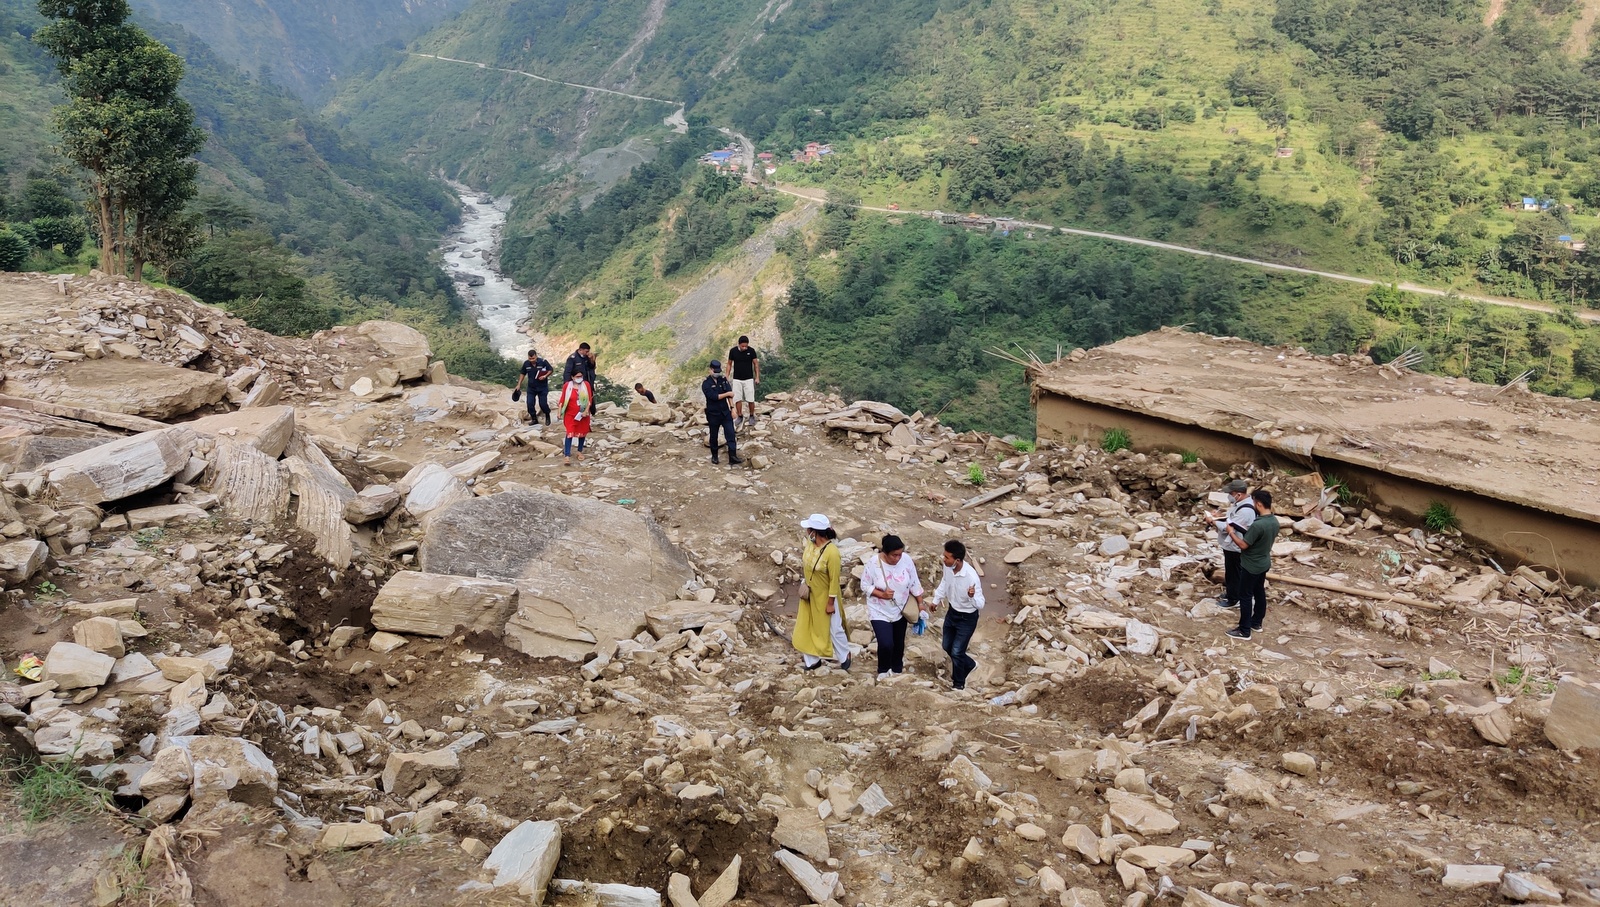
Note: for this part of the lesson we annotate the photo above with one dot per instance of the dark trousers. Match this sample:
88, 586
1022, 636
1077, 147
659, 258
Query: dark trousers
724, 421
891, 645
958, 629
1231, 573
1252, 600
539, 402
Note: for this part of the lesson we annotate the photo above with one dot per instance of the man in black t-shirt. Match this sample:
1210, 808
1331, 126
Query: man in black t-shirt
746, 366
718, 392
644, 392
536, 373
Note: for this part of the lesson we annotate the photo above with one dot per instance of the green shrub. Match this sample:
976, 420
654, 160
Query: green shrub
1440, 517
13, 250
1022, 446
975, 474
1115, 439
1189, 456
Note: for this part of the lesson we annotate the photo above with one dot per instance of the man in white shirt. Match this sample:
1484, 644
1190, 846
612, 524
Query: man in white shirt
1241, 513
963, 589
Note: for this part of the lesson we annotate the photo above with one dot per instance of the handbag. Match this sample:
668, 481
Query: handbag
805, 585
909, 609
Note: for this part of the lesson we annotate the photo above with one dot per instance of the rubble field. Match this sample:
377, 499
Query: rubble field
364, 638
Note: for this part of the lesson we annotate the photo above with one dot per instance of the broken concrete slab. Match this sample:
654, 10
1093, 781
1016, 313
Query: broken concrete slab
232, 766
818, 886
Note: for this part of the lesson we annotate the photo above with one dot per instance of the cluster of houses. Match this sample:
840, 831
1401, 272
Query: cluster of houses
728, 158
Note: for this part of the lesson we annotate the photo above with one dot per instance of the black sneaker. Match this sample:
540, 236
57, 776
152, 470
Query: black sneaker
845, 665
1224, 603
806, 667
734, 462
715, 460
1255, 628
1236, 633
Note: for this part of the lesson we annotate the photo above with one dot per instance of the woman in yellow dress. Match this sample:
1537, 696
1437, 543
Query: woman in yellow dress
819, 627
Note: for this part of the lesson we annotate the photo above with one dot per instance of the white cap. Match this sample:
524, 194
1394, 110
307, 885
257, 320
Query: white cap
816, 521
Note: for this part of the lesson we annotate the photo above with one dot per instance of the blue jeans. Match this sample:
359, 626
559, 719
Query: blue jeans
958, 629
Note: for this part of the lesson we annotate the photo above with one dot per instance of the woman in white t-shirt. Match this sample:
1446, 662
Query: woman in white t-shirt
889, 581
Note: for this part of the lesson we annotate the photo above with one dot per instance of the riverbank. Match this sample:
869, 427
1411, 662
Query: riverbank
471, 254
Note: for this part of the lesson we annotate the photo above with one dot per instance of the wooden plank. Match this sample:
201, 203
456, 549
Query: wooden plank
83, 414
1360, 593
988, 496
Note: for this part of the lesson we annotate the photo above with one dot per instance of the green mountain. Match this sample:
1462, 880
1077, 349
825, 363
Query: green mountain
1391, 140
303, 45
305, 226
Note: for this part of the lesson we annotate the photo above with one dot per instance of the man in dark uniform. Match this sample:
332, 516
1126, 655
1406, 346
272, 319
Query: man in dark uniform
581, 360
536, 372
718, 392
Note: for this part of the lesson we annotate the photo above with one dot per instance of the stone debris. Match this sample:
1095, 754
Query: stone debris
525, 859
1529, 888
431, 604
1574, 719
1460, 876
264, 533
121, 469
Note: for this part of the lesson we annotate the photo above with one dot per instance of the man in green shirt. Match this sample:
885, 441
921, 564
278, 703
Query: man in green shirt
1255, 559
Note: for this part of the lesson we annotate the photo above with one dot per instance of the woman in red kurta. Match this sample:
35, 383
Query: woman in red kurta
574, 407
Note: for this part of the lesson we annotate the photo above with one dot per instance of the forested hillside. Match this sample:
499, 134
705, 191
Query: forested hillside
303, 45
303, 226
1390, 140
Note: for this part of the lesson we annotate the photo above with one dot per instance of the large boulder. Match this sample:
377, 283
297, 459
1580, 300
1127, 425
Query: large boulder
267, 428
120, 469
642, 410
434, 604
586, 571
134, 387
1574, 721
405, 347
430, 488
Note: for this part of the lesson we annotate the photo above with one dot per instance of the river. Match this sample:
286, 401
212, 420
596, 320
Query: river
471, 254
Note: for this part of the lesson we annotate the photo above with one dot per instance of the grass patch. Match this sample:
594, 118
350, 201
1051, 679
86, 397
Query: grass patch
1440, 517
1395, 692
1442, 675
1342, 492
1189, 456
975, 474
1022, 446
1115, 439
150, 539
56, 790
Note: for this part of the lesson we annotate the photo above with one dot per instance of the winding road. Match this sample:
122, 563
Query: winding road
818, 195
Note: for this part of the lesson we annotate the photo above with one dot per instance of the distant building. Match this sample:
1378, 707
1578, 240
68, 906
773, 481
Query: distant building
1529, 203
764, 156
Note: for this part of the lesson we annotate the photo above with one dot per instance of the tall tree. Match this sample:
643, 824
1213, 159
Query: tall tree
124, 124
